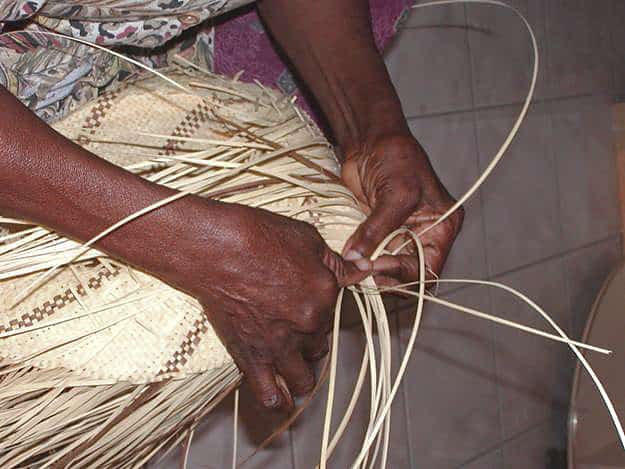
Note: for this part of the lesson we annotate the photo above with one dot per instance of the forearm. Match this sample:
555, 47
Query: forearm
46, 179
331, 44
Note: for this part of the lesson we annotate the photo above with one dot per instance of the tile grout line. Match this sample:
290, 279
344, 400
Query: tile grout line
499, 445
613, 53
491, 329
292, 447
400, 348
508, 104
479, 193
558, 186
561, 255
497, 369
545, 51
471, 58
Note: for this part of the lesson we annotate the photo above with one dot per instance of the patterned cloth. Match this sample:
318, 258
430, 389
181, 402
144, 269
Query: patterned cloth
53, 75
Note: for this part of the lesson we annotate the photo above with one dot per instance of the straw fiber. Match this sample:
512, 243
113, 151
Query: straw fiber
103, 364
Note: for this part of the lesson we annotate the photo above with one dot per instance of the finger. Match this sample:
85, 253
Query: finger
385, 282
353, 275
390, 213
434, 261
315, 347
387, 285
265, 388
297, 373
438, 241
435, 254
346, 272
400, 267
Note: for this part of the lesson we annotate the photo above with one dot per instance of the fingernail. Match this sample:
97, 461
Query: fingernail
271, 402
353, 256
363, 264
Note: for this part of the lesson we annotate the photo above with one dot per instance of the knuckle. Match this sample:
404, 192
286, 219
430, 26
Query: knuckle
370, 230
308, 320
409, 268
281, 335
326, 286
316, 314
326, 291
315, 320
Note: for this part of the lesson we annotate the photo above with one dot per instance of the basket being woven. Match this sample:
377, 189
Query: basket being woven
104, 365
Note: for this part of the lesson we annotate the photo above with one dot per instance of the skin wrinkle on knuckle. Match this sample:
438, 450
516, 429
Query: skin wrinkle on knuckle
308, 320
405, 268
315, 313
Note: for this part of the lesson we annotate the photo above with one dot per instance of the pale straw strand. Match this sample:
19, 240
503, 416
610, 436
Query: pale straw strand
382, 383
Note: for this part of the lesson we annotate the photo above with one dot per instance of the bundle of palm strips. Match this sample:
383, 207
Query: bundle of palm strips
103, 365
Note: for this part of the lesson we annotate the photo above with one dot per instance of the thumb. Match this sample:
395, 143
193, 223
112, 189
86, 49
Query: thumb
347, 273
389, 214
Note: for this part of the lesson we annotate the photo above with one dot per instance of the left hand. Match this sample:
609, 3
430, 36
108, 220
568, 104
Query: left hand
396, 186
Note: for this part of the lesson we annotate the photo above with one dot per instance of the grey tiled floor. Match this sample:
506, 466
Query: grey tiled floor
521, 198
450, 386
478, 395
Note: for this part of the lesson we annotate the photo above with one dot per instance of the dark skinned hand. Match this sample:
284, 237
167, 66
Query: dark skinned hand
396, 186
272, 301
268, 283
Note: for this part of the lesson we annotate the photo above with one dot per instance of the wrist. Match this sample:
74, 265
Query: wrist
371, 121
386, 138
171, 241
193, 241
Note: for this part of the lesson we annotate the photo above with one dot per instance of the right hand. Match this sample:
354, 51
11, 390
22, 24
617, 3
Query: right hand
268, 285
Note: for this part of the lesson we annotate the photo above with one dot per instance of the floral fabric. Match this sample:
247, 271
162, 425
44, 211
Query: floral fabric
53, 75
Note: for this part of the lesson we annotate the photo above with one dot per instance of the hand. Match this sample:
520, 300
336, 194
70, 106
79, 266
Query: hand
269, 285
396, 185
